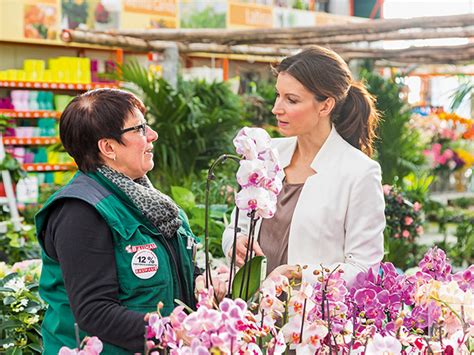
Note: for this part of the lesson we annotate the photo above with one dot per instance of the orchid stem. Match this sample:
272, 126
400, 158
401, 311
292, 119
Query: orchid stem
78, 339
302, 321
211, 176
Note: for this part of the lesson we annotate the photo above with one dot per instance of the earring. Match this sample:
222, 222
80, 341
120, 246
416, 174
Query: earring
114, 158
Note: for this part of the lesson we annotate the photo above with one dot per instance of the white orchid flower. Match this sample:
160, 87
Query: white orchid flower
258, 199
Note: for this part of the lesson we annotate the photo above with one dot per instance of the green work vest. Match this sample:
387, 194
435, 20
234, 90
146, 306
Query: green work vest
138, 247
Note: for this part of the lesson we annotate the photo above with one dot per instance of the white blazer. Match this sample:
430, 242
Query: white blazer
339, 217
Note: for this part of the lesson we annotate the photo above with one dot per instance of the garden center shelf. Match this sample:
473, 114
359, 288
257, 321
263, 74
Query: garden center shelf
54, 86
29, 113
42, 167
30, 140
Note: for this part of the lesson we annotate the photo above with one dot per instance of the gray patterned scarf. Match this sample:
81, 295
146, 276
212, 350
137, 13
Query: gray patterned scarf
159, 208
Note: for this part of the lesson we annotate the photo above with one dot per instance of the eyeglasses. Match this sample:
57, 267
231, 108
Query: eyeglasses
141, 128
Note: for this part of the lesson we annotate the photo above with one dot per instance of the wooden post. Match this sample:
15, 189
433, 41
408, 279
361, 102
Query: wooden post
170, 65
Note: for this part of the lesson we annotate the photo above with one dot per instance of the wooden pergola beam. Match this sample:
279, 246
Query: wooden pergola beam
222, 36
287, 41
384, 36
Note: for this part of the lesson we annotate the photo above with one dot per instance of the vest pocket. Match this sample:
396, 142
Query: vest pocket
142, 264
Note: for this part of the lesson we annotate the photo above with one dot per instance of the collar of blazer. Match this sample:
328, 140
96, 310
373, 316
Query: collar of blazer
326, 156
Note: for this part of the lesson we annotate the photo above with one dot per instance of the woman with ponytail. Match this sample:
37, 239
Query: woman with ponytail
330, 211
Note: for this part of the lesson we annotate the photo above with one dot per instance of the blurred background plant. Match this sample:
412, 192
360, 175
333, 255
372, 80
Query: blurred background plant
404, 227
398, 148
16, 246
196, 123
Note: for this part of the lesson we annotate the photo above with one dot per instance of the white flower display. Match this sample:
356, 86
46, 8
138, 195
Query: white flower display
258, 172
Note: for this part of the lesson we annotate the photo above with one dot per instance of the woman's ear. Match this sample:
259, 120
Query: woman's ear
107, 148
327, 106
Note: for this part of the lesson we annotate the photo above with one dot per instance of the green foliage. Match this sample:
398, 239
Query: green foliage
13, 166
76, 11
452, 216
196, 214
207, 18
17, 246
21, 313
417, 185
195, 122
257, 269
398, 148
464, 90
259, 103
462, 252
462, 202
5, 122
404, 225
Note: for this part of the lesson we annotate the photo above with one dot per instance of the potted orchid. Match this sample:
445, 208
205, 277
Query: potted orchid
431, 311
259, 185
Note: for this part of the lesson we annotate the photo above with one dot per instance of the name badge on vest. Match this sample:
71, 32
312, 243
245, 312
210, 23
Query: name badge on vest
144, 262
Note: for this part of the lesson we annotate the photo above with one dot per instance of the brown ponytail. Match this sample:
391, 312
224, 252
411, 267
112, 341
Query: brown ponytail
324, 73
357, 118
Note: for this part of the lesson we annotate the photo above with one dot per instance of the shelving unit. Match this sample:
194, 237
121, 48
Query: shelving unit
44, 167
30, 140
55, 86
30, 114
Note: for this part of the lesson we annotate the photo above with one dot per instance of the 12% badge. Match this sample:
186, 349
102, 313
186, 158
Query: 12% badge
144, 264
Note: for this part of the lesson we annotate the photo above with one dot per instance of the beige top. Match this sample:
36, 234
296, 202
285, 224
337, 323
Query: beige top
274, 232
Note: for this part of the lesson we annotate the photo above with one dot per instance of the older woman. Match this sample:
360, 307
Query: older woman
113, 246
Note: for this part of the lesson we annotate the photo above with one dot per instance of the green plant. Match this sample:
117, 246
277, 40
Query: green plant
21, 312
5, 122
13, 166
464, 90
259, 103
195, 122
398, 148
462, 202
196, 214
462, 252
16, 246
76, 11
207, 18
404, 225
417, 185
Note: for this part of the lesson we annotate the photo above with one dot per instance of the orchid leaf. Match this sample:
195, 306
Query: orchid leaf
258, 270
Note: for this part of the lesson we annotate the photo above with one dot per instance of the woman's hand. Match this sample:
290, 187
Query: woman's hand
241, 249
290, 271
220, 282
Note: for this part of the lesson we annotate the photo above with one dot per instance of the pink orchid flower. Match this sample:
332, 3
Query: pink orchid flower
251, 173
277, 345
250, 142
93, 346
258, 199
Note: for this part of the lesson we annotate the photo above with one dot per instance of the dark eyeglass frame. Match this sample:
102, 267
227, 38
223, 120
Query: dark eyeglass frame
139, 128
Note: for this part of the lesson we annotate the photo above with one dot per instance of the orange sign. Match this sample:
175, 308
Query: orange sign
250, 15
49, 2
152, 7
